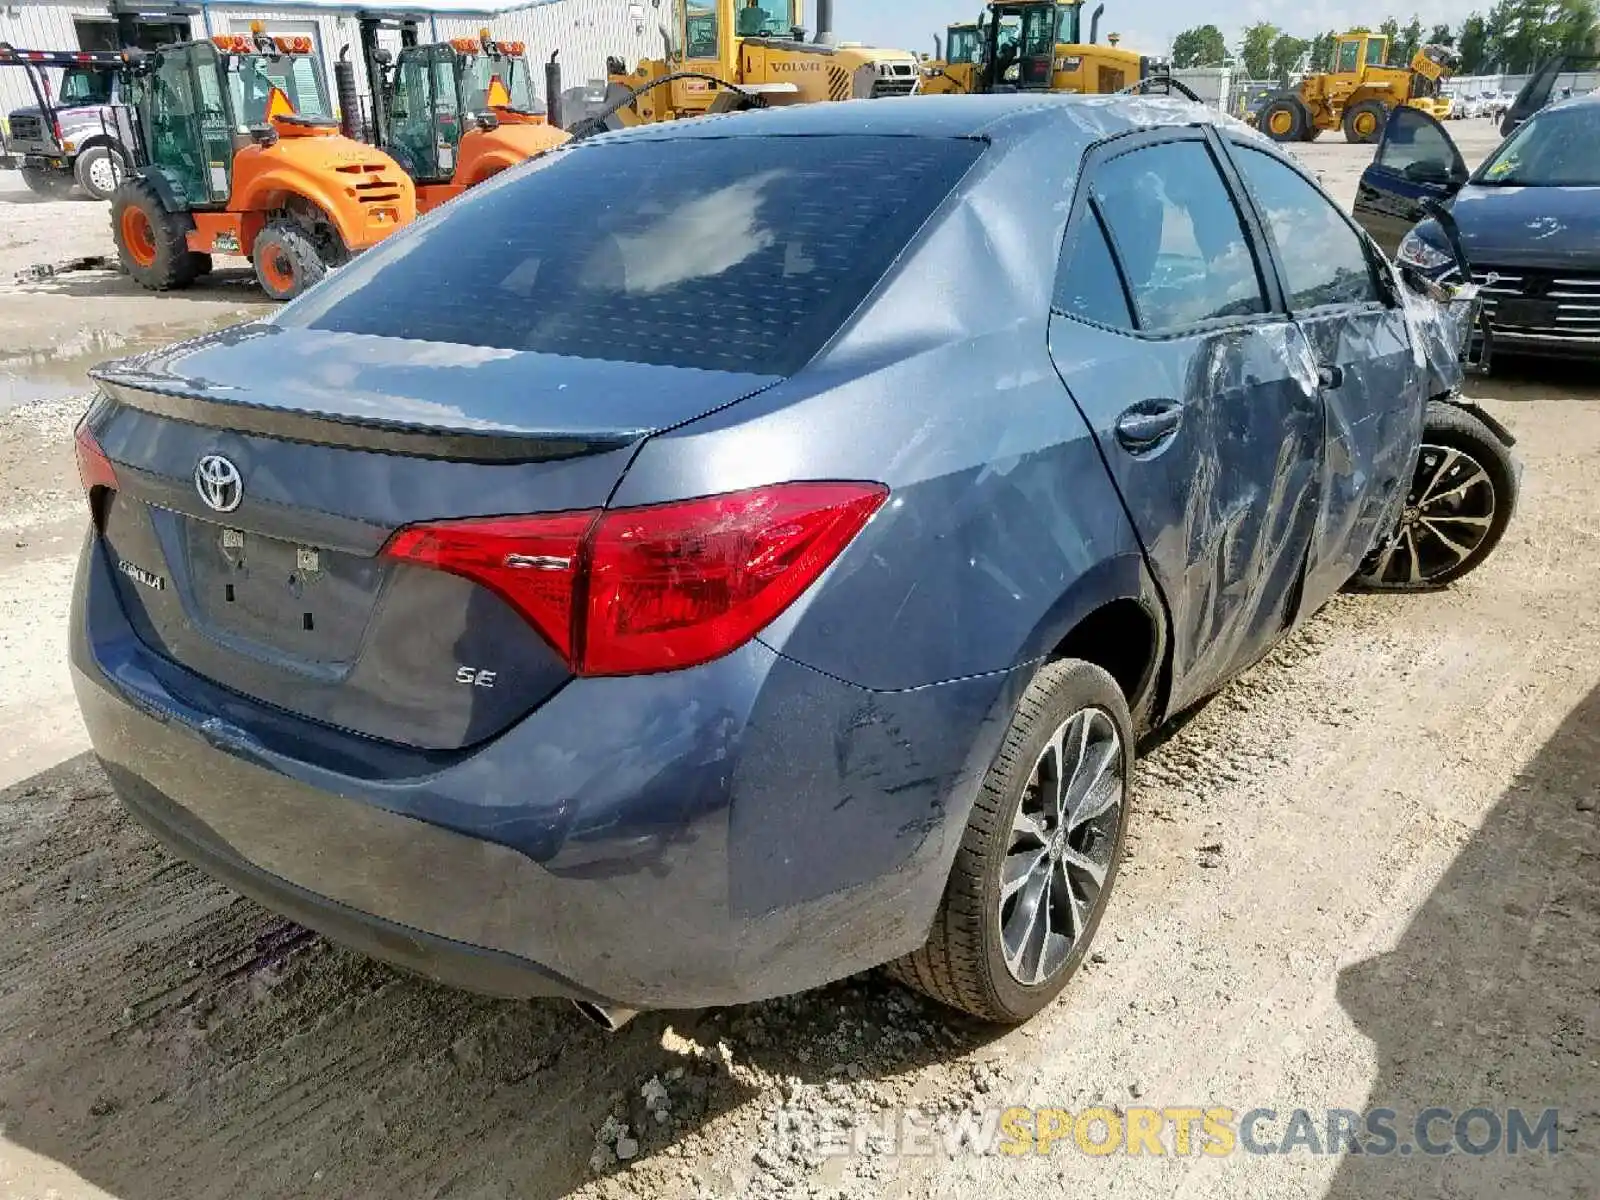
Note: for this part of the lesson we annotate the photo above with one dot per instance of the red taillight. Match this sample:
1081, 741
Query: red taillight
94, 468
530, 562
636, 590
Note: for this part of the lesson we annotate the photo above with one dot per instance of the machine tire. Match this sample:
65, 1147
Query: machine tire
1313, 133
1285, 119
1462, 452
99, 170
1357, 114
152, 243
964, 962
52, 185
286, 259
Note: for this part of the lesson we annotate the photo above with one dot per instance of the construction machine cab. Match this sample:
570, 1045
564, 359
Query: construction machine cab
455, 113
963, 45
1021, 44
1038, 46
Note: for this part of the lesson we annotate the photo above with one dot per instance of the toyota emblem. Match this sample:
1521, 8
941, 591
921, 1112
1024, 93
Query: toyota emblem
218, 482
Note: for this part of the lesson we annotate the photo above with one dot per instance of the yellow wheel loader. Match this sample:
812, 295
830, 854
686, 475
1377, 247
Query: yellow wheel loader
1359, 92
726, 54
1037, 46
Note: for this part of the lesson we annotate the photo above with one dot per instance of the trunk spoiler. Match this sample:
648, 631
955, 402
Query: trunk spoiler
163, 396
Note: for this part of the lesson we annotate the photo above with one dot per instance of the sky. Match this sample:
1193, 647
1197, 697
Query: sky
1145, 25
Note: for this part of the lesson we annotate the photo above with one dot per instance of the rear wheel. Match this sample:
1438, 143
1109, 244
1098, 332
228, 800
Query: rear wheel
287, 260
1285, 119
52, 185
1461, 498
1363, 123
152, 243
1040, 852
99, 170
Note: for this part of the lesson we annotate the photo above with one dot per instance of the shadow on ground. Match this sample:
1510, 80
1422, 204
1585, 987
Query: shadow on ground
161, 1037
1492, 996
1519, 378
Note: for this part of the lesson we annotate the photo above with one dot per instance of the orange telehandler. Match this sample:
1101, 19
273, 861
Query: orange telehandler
454, 113
236, 153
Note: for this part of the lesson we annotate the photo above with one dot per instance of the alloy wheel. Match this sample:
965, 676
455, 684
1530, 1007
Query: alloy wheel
1063, 836
1447, 515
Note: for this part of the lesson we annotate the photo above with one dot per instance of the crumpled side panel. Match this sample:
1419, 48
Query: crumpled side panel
1226, 507
1439, 334
1373, 419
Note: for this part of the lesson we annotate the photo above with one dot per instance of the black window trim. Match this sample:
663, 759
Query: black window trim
1255, 235
1387, 300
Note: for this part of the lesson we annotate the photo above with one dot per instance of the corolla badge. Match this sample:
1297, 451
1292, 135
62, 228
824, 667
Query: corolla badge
218, 482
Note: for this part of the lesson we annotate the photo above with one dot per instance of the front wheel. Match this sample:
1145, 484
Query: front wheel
99, 170
1039, 855
1363, 123
287, 261
1461, 499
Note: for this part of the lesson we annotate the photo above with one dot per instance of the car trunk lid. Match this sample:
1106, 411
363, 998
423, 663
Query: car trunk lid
261, 471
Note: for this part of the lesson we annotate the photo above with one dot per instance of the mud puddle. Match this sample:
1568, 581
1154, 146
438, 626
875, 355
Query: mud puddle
62, 370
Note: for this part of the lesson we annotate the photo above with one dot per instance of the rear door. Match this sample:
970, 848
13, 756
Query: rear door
1416, 161
1367, 373
1201, 392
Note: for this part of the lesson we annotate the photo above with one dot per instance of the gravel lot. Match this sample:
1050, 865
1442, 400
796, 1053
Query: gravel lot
1367, 874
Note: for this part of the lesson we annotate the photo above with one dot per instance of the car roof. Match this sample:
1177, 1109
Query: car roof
1577, 101
997, 118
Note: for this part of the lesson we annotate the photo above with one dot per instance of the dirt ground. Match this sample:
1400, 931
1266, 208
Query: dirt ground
1366, 875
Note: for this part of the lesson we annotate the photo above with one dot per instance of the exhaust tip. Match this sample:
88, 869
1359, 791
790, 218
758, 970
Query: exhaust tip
608, 1018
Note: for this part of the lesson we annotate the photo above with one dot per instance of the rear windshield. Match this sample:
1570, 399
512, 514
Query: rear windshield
728, 254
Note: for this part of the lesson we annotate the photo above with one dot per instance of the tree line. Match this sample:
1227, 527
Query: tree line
1514, 38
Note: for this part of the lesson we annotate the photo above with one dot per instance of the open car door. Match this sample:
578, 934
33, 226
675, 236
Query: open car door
1416, 161
1536, 93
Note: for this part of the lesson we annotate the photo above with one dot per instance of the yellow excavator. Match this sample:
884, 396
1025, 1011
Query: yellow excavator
1360, 90
1037, 46
729, 54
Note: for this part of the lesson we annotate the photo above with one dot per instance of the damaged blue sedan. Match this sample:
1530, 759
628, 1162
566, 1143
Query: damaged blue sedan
727, 555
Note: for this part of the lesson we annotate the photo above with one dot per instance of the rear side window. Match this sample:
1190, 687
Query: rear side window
1324, 260
727, 254
1178, 235
1089, 286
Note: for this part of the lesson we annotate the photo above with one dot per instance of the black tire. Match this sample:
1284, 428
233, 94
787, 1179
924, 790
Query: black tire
1416, 557
286, 259
1292, 130
963, 963
169, 264
1379, 113
1312, 133
99, 170
202, 264
52, 185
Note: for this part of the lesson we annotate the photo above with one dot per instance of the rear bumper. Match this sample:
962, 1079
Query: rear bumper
745, 829
450, 962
